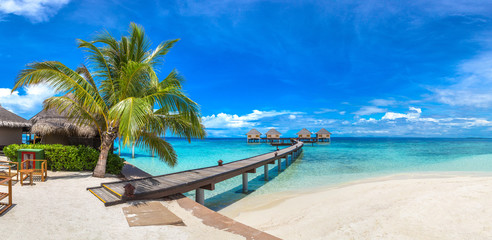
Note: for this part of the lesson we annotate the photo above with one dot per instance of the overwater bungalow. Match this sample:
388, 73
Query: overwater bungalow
55, 128
12, 127
323, 135
303, 134
253, 135
273, 134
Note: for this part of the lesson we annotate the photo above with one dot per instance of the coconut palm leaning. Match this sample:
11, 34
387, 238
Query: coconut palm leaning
120, 94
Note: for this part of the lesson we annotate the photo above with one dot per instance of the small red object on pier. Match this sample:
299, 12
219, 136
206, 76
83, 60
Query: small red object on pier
220, 162
129, 190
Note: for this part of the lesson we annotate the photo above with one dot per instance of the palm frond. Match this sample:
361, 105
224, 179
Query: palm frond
131, 114
156, 144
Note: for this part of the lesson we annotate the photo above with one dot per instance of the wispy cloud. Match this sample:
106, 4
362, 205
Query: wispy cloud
224, 120
324, 110
368, 110
34, 10
26, 103
411, 123
382, 102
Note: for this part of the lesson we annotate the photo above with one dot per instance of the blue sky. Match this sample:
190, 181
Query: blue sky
356, 68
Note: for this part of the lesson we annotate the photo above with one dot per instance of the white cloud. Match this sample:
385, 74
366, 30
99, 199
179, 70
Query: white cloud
30, 101
472, 86
413, 119
342, 112
413, 114
368, 110
325, 110
224, 120
382, 102
34, 10
292, 116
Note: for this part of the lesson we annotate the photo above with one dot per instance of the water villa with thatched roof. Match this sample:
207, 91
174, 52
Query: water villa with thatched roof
304, 133
12, 127
323, 135
273, 134
55, 128
273, 137
253, 136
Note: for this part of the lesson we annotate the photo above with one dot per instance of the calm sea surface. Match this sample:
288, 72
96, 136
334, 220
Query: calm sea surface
345, 159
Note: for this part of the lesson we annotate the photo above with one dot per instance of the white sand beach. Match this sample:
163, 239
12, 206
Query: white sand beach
62, 208
404, 206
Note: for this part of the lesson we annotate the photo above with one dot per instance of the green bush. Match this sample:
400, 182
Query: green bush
69, 158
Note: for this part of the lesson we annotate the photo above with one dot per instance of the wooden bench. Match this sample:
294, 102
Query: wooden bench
4, 206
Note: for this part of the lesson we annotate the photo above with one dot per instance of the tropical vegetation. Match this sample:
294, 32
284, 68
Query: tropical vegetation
120, 93
68, 158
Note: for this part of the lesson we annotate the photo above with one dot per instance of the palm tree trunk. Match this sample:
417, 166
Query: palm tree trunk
107, 140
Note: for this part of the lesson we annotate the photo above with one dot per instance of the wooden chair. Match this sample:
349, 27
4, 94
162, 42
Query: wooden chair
6, 182
9, 169
30, 164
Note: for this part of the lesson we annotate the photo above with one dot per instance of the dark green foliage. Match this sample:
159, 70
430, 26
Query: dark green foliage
69, 158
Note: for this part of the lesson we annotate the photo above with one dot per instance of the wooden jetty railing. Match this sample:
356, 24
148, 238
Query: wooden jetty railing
197, 179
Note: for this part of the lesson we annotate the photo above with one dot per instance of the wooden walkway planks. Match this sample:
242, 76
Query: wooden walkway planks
181, 182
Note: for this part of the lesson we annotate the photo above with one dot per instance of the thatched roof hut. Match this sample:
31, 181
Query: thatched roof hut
56, 128
323, 131
49, 122
11, 127
253, 132
304, 133
11, 120
273, 133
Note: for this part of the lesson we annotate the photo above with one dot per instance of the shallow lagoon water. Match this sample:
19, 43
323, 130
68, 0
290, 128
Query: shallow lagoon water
343, 160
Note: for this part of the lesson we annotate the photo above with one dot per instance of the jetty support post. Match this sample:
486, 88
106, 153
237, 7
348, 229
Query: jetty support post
245, 182
279, 164
200, 196
133, 150
265, 168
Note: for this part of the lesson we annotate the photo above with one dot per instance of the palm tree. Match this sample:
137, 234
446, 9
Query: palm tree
121, 95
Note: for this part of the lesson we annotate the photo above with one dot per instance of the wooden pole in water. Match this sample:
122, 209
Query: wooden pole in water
245, 182
279, 164
200, 196
133, 150
265, 168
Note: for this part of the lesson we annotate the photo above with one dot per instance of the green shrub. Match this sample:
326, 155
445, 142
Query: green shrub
69, 158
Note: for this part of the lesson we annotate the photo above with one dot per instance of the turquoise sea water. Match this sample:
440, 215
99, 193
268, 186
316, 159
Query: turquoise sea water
345, 159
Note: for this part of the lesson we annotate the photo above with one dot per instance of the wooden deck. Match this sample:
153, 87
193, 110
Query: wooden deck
197, 179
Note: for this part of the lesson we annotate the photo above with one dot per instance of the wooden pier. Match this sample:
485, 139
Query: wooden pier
197, 179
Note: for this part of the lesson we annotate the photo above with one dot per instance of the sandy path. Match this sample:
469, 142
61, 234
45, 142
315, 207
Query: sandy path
406, 206
62, 208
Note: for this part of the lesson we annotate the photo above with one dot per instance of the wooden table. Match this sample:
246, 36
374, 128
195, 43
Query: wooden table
28, 172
